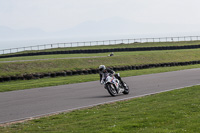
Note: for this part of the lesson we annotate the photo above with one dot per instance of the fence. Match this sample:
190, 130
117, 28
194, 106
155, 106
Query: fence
104, 42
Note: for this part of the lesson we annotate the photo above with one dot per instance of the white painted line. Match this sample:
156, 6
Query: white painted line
88, 106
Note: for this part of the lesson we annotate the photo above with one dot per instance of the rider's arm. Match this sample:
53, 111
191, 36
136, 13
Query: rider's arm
100, 76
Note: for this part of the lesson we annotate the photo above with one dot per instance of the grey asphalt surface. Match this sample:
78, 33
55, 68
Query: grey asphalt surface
25, 104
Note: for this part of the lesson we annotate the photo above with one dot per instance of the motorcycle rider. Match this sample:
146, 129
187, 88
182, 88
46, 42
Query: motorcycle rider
104, 71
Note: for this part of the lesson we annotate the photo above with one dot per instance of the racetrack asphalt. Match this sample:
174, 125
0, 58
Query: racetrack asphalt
31, 103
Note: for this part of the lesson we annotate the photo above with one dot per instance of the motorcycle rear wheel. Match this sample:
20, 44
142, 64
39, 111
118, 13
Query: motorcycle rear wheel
126, 89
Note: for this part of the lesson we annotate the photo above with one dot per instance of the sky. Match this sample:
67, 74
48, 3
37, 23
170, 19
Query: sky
53, 18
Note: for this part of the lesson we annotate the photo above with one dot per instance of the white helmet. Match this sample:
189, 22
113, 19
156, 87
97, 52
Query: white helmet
102, 67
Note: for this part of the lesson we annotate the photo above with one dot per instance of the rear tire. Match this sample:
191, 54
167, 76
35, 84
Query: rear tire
111, 89
126, 89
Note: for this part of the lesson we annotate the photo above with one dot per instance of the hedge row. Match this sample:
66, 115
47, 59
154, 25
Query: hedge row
104, 50
94, 71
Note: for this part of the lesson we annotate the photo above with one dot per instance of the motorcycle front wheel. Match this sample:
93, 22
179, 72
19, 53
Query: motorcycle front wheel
111, 89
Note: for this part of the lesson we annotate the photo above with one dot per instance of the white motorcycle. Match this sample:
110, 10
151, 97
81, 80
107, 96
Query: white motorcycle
113, 85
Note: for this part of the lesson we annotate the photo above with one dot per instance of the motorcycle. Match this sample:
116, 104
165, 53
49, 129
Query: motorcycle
114, 86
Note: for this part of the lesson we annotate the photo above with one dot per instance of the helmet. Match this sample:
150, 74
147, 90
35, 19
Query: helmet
102, 67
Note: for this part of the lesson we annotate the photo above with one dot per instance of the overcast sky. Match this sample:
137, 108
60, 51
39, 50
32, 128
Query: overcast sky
55, 15
63, 18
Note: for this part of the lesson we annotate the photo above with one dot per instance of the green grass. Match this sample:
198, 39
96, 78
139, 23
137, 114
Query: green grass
132, 45
140, 53
175, 111
53, 56
120, 59
45, 82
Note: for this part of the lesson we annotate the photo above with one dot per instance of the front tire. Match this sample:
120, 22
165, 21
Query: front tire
111, 89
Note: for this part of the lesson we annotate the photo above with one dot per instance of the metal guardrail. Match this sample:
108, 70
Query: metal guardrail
104, 42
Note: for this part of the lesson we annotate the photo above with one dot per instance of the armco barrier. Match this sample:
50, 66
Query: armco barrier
94, 71
104, 50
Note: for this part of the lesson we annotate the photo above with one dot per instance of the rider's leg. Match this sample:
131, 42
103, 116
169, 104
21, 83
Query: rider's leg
119, 78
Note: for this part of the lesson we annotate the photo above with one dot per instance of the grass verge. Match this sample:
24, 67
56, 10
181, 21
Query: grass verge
121, 59
28, 84
174, 111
